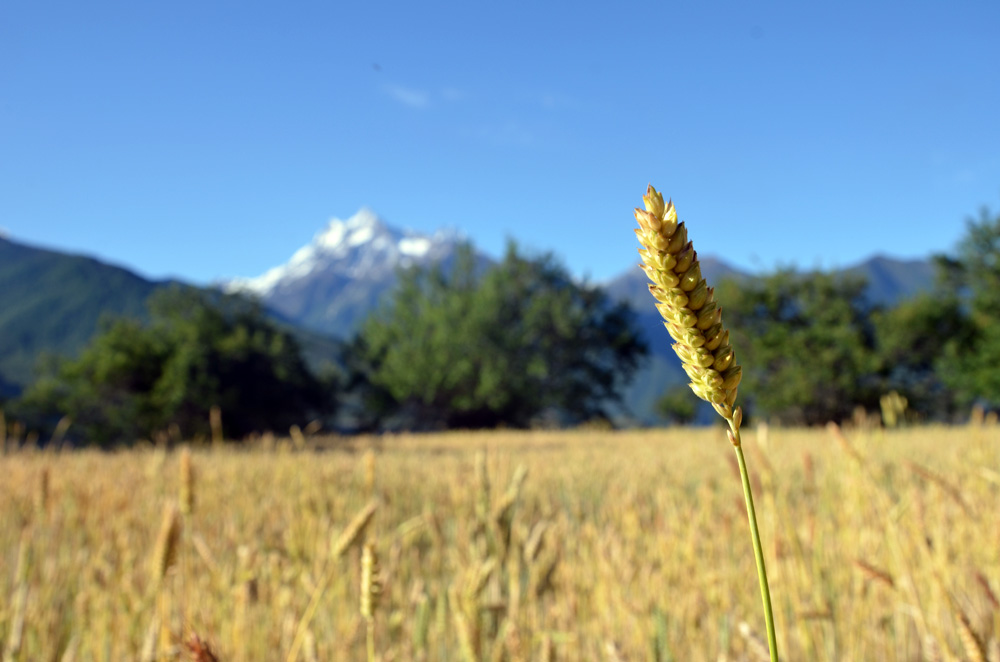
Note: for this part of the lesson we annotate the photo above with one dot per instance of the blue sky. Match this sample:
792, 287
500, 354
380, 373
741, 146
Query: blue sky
211, 139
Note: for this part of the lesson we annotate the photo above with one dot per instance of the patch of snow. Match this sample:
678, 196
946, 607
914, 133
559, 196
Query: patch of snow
332, 236
364, 218
415, 246
361, 235
304, 254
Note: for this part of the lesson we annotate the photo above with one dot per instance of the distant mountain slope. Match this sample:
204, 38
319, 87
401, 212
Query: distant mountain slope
891, 281
632, 286
331, 284
51, 302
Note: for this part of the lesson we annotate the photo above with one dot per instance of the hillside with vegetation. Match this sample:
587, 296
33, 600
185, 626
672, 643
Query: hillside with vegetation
52, 303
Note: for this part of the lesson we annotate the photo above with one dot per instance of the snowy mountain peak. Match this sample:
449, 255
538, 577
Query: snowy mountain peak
362, 247
356, 230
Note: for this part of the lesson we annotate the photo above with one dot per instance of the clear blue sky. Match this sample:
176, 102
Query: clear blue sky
211, 139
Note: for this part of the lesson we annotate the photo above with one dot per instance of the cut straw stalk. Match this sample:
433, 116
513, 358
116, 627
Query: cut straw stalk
694, 321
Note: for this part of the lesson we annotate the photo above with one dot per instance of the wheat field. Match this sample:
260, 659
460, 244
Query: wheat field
568, 545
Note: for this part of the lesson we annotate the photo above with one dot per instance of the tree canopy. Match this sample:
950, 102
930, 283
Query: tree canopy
460, 348
806, 344
972, 275
199, 350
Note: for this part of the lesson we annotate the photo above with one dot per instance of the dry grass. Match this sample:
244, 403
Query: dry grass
614, 546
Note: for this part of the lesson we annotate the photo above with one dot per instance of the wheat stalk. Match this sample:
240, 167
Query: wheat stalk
164, 557
371, 589
694, 320
186, 492
12, 650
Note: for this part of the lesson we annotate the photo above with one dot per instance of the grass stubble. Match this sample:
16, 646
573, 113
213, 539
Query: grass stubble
694, 320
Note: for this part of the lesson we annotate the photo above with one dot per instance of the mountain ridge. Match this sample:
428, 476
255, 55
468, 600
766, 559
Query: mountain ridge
51, 302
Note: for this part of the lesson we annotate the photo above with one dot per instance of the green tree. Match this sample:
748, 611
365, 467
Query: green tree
972, 276
806, 344
106, 391
918, 342
200, 350
456, 348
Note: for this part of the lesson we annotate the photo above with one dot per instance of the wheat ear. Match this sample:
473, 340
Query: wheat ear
694, 321
165, 552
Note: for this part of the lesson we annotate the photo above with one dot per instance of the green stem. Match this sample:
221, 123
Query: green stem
758, 551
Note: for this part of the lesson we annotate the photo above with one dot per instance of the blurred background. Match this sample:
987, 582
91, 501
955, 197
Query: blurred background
304, 154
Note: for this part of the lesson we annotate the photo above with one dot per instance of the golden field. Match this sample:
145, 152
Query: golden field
880, 545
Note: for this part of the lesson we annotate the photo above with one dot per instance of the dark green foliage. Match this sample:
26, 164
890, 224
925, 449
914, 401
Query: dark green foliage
918, 343
678, 405
459, 349
806, 344
199, 350
973, 277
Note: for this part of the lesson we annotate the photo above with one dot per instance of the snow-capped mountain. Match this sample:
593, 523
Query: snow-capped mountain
333, 282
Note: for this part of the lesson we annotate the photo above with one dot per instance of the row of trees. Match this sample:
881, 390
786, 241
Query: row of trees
813, 347
198, 351
523, 342
452, 348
